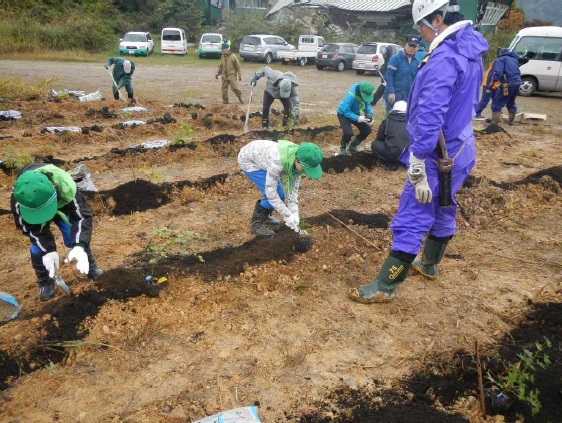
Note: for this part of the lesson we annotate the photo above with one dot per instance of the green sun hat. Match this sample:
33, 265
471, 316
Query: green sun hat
310, 157
36, 196
367, 91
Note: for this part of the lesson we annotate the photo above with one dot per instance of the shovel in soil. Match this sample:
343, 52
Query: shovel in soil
246, 129
9, 307
60, 283
116, 86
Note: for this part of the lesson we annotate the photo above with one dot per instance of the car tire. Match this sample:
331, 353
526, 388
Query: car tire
528, 86
302, 62
340, 67
246, 60
201, 56
320, 67
268, 59
284, 63
359, 71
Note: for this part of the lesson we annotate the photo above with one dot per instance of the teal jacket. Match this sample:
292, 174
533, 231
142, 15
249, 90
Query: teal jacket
121, 78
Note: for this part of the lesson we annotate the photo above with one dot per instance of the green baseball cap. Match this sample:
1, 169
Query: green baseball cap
367, 91
310, 157
36, 196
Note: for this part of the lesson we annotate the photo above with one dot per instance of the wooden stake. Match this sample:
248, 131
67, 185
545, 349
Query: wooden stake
480, 384
359, 235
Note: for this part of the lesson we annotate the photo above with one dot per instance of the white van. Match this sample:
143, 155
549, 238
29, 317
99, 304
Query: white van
542, 47
173, 41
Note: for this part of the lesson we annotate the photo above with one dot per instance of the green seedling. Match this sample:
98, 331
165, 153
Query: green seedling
183, 135
16, 159
519, 379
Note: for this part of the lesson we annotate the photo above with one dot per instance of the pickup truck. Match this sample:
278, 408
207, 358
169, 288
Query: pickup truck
305, 53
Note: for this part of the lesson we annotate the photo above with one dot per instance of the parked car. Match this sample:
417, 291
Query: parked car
173, 41
210, 45
309, 45
136, 43
540, 57
369, 56
263, 48
336, 55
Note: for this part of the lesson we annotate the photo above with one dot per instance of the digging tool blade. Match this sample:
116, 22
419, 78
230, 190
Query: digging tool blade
115, 83
9, 307
59, 281
248, 112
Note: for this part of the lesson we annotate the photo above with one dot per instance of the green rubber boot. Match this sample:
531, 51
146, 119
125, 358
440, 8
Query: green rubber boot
382, 288
343, 147
353, 146
433, 252
496, 117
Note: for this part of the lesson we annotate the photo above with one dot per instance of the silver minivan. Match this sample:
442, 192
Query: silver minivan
370, 57
263, 48
540, 50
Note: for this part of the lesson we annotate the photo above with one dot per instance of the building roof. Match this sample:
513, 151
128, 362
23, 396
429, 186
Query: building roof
351, 5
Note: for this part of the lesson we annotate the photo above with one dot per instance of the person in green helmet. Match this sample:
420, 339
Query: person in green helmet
44, 193
357, 101
276, 168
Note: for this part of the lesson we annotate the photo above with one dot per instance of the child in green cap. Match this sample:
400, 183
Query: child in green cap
276, 169
42, 194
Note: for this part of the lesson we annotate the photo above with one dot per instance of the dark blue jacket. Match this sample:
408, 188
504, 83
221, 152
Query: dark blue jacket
507, 64
399, 75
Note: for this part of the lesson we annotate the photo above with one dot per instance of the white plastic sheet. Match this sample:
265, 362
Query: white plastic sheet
92, 96
236, 415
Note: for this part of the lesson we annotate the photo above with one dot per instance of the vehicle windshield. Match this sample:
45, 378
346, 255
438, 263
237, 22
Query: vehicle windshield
136, 38
368, 49
330, 48
255, 41
211, 39
171, 36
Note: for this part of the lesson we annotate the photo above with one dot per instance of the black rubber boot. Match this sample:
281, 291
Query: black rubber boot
433, 252
259, 217
353, 146
95, 272
46, 284
382, 288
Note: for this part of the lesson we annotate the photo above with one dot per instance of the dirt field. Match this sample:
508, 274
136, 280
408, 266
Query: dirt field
251, 321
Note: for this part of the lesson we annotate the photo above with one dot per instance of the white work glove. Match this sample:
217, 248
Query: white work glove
293, 222
418, 177
293, 207
361, 119
82, 263
51, 263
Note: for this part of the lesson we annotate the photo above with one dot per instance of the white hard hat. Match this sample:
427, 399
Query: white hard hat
127, 66
400, 106
285, 88
423, 8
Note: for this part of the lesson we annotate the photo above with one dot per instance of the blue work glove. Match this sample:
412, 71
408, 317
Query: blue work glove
254, 81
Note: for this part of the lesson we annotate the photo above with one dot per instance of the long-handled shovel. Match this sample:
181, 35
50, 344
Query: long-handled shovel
248, 112
116, 86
